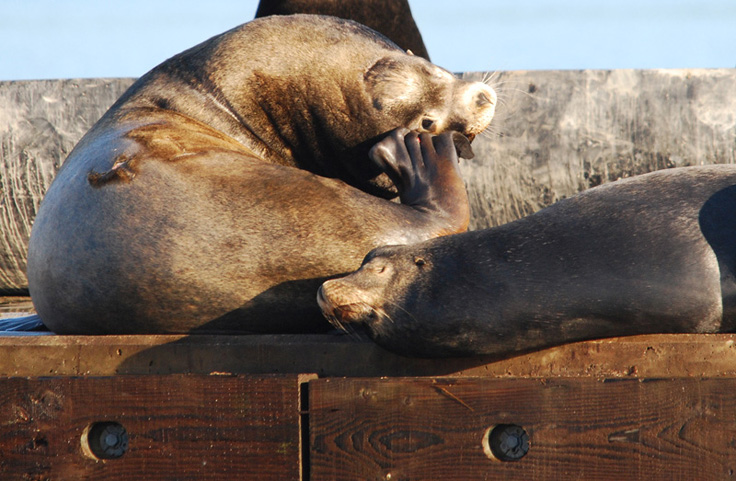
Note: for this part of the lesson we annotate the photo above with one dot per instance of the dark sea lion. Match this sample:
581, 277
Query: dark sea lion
650, 254
229, 182
392, 18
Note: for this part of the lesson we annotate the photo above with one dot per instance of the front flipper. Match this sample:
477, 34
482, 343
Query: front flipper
425, 170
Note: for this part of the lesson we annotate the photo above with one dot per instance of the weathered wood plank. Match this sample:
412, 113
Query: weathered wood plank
40, 122
421, 429
15, 306
665, 355
560, 132
178, 427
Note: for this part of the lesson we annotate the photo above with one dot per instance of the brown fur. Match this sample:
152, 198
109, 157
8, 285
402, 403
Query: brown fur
231, 180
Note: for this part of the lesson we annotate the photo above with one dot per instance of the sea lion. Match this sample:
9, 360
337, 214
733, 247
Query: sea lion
649, 254
229, 182
391, 18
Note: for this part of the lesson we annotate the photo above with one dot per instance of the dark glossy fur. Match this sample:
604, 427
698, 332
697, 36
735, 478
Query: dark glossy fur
650, 254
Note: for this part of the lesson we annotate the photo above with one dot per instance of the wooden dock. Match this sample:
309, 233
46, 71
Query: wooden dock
326, 407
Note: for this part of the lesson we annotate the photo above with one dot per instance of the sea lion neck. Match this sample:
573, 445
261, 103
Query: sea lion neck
299, 102
303, 99
308, 122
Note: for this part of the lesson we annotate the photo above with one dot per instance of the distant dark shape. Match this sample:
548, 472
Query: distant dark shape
392, 18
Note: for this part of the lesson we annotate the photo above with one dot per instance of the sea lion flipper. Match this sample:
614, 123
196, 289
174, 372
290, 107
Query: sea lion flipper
462, 146
425, 170
391, 156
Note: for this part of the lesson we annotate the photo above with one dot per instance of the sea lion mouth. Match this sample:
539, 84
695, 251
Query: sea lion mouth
340, 310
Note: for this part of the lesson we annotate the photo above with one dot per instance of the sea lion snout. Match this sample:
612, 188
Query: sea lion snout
357, 298
343, 303
479, 101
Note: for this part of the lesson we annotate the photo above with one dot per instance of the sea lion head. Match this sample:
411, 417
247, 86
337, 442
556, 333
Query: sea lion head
317, 92
361, 298
426, 98
402, 299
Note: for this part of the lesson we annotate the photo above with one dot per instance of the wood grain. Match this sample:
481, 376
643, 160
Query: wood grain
40, 122
579, 429
556, 133
179, 427
663, 355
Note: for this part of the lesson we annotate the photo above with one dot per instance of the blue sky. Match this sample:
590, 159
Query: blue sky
104, 38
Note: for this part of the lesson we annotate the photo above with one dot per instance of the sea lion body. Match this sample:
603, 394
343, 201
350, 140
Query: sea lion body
649, 254
230, 181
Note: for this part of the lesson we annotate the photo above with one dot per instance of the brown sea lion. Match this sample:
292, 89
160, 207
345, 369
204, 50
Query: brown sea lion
228, 183
391, 18
650, 254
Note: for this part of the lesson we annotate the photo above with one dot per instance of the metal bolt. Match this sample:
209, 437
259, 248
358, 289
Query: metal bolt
108, 440
508, 442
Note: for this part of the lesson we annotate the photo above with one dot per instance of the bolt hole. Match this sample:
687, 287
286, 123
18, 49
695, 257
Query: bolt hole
105, 440
505, 442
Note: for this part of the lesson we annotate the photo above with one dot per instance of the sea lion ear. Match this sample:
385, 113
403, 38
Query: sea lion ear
390, 82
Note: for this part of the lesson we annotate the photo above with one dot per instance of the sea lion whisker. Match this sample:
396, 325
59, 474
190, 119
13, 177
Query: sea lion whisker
491, 134
393, 304
355, 334
491, 78
349, 329
332, 319
532, 95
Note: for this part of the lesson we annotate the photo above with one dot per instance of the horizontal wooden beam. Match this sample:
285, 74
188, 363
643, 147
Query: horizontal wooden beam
555, 429
289, 427
151, 427
667, 355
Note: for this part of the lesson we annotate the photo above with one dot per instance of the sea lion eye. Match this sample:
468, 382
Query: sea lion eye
428, 125
377, 268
